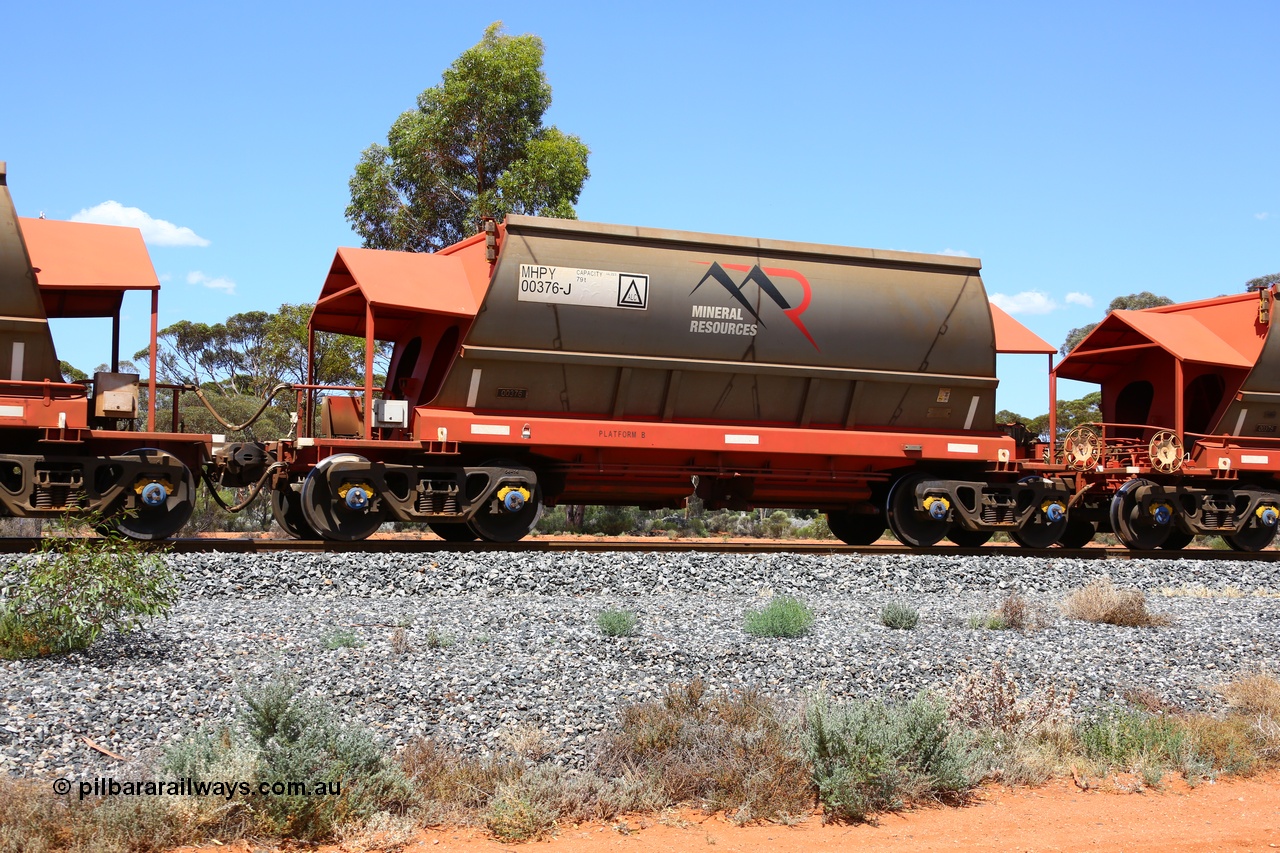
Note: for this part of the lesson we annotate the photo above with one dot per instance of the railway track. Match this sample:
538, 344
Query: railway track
19, 545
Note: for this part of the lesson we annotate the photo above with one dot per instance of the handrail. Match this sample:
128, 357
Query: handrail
46, 383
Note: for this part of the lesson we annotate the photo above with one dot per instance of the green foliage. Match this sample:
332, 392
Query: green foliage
439, 639
778, 525
283, 737
474, 147
869, 757
342, 639
614, 520
784, 616
1262, 282
897, 615
73, 589
1132, 302
71, 373
1139, 741
815, 528
1071, 414
518, 813
616, 623
238, 362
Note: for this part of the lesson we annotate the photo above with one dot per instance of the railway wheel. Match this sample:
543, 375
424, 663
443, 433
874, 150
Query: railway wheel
1253, 538
913, 526
286, 509
1039, 532
452, 531
968, 538
1136, 528
1177, 540
855, 528
1044, 527
514, 510
166, 495
1079, 532
342, 512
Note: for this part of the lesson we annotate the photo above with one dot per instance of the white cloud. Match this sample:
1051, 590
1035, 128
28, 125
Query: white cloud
1263, 215
1026, 302
956, 253
156, 232
226, 285
1075, 297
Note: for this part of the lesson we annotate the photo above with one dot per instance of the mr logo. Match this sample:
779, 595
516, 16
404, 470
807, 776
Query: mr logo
761, 278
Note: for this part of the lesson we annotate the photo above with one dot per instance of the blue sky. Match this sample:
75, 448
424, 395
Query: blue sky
1082, 151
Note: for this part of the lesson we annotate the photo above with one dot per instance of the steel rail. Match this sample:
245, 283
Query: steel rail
19, 545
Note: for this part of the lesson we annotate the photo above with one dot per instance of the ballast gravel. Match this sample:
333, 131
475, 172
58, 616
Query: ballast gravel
472, 647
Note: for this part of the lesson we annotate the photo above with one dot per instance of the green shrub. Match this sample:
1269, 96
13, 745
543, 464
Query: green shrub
521, 812
281, 738
73, 589
614, 520
1128, 739
815, 528
869, 757
899, 616
778, 525
439, 639
554, 520
733, 523
342, 639
784, 616
616, 623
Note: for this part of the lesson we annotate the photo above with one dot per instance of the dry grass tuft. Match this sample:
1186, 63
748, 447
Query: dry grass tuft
734, 752
1102, 601
1200, 591
1254, 694
32, 820
1015, 613
992, 700
1148, 700
455, 787
1257, 698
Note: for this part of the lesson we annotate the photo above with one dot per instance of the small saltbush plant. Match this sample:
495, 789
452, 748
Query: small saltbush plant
869, 757
342, 639
616, 623
282, 737
901, 616
439, 639
63, 597
783, 616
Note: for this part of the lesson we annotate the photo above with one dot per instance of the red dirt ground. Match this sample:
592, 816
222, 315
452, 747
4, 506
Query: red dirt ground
1229, 815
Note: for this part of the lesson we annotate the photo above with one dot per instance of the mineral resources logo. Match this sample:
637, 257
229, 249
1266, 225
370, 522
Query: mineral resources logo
732, 320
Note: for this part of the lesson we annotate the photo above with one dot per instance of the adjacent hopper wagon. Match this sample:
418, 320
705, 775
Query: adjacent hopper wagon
1187, 444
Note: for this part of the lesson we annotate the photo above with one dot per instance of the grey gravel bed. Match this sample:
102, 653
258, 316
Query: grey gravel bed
500, 641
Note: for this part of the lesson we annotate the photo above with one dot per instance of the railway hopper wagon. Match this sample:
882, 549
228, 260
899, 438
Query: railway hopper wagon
1188, 442
548, 361
90, 447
